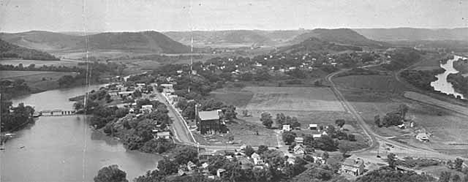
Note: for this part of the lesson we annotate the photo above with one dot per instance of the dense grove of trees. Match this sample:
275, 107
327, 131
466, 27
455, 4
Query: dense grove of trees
15, 117
32, 67
393, 118
387, 174
13, 88
8, 50
421, 78
459, 82
111, 173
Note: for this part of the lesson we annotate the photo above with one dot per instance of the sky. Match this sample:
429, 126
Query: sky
187, 15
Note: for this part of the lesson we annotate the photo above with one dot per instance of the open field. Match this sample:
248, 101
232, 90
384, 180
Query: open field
293, 99
378, 83
430, 62
429, 100
37, 80
445, 126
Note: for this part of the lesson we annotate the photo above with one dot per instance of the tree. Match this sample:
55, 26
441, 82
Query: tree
325, 155
184, 154
456, 178
326, 143
309, 141
403, 109
445, 176
288, 137
111, 174
249, 150
330, 130
340, 122
266, 119
392, 119
377, 121
261, 149
458, 164
391, 159
344, 147
166, 166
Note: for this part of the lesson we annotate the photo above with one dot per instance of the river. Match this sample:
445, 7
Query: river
65, 148
441, 84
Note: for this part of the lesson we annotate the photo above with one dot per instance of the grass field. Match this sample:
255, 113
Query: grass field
293, 99
369, 96
37, 80
379, 83
430, 62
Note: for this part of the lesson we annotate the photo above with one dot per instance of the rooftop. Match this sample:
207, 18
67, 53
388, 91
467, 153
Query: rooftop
208, 115
353, 162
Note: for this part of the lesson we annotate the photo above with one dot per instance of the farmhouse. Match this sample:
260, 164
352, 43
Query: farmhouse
352, 166
168, 88
164, 134
125, 93
286, 127
208, 121
299, 140
313, 126
299, 149
147, 108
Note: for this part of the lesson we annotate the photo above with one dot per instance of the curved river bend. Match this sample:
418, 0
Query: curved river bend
65, 148
441, 84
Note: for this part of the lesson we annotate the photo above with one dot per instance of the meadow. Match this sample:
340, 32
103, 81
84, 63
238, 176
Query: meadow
36, 80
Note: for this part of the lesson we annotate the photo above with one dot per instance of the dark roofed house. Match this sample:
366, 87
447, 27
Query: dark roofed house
209, 122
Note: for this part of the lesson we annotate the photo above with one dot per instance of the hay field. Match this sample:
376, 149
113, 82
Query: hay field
37, 80
293, 99
378, 83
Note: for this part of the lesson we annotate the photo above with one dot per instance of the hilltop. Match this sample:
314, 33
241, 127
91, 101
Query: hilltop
8, 50
414, 34
314, 44
128, 41
214, 38
340, 36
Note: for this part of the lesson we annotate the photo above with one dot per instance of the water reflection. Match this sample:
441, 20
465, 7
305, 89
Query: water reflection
441, 84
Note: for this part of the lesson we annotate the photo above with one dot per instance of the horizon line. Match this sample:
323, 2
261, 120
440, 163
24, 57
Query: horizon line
220, 30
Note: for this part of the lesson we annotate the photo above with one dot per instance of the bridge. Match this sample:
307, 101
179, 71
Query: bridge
56, 112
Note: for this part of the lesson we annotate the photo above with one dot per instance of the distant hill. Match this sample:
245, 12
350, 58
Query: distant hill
414, 34
8, 50
235, 37
42, 40
340, 36
316, 45
220, 38
142, 41
149, 41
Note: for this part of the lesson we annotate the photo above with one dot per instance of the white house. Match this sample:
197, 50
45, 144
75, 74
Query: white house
147, 108
298, 150
313, 126
286, 127
256, 158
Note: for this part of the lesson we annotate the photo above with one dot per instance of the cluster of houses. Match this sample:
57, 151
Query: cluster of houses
252, 162
351, 166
